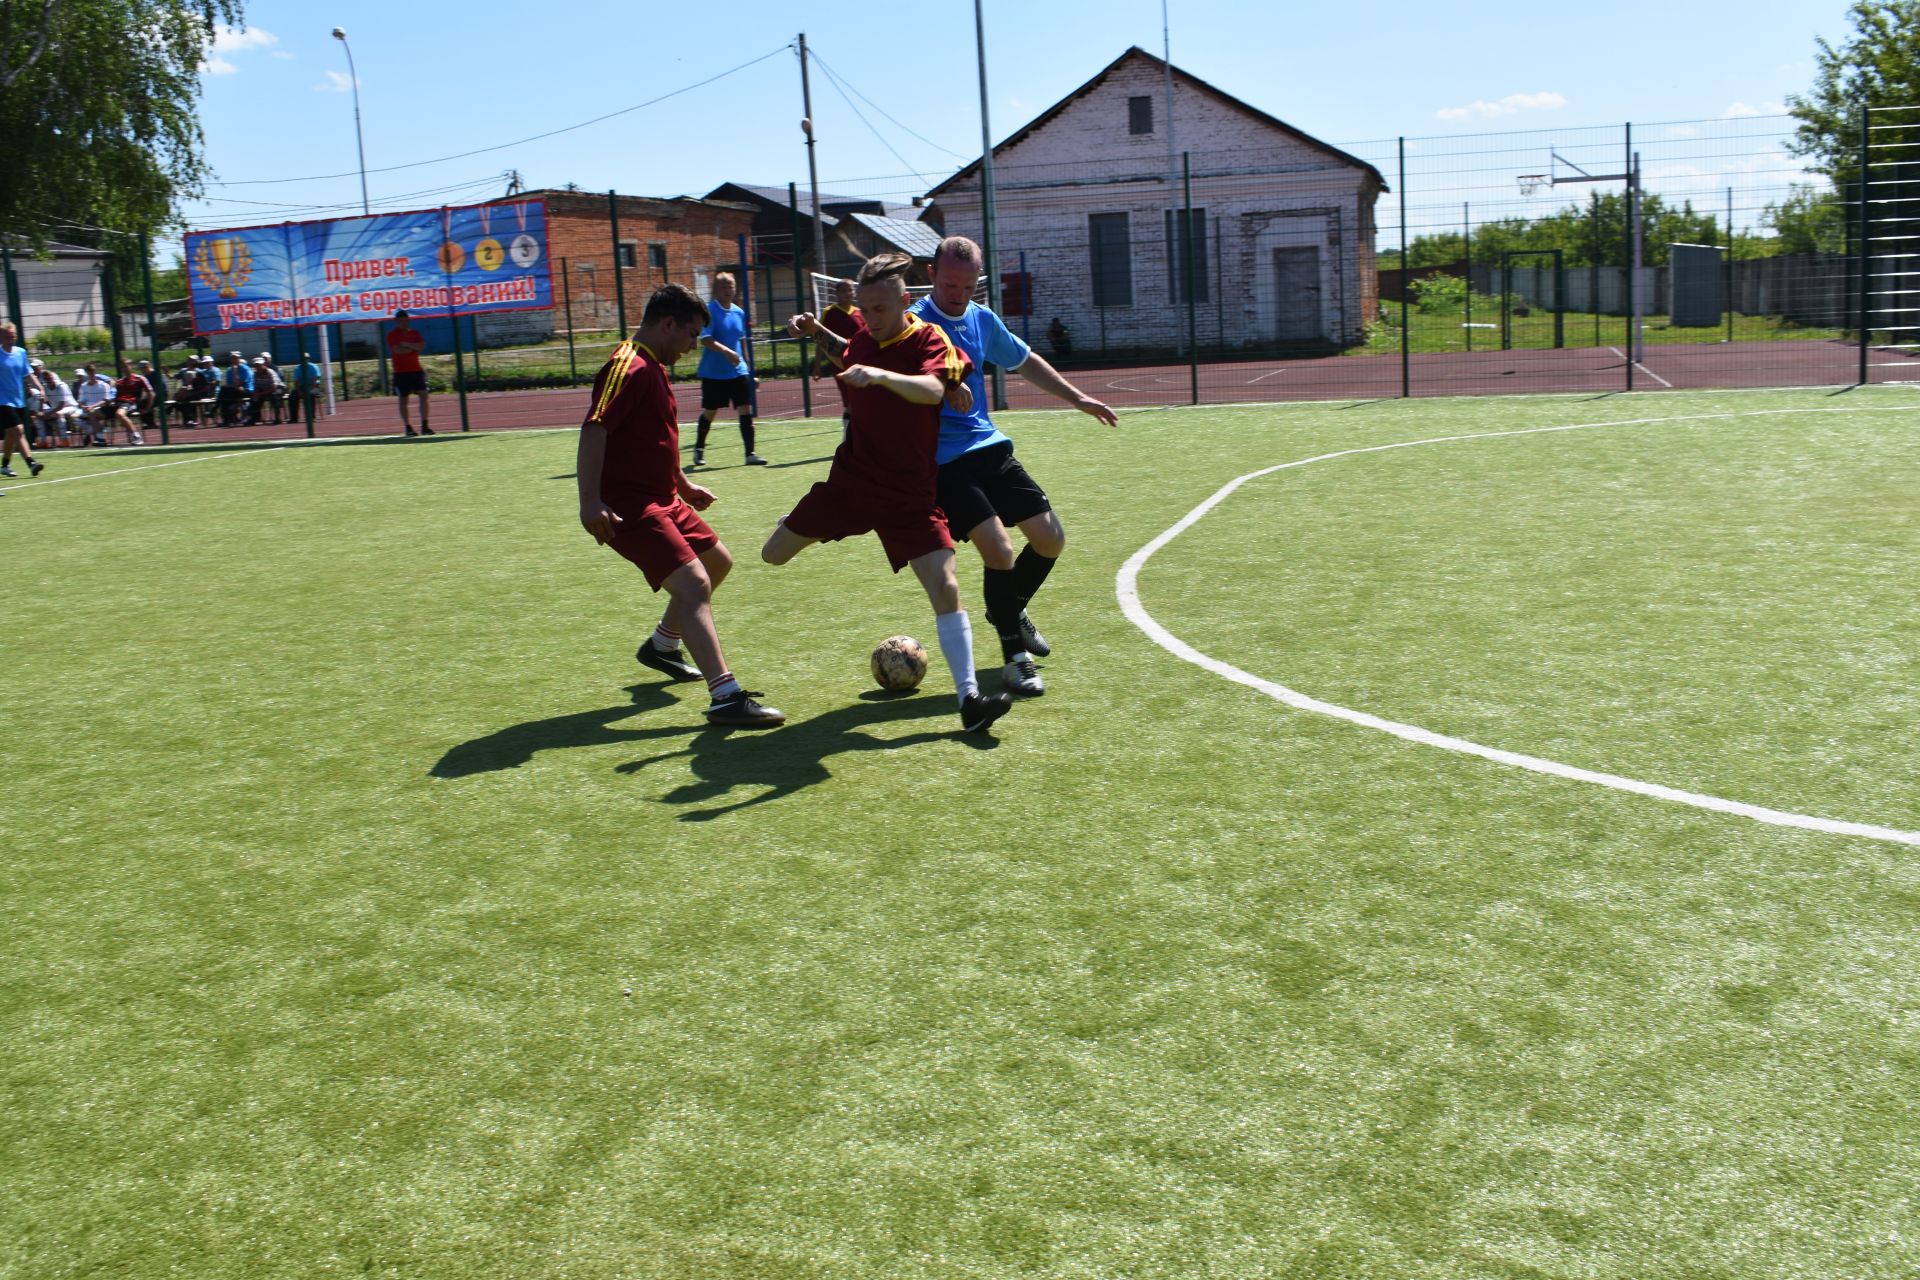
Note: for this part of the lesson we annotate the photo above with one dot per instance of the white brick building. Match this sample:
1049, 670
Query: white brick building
1283, 225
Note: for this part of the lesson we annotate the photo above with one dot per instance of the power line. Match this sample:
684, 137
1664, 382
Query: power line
870, 102
834, 80
551, 133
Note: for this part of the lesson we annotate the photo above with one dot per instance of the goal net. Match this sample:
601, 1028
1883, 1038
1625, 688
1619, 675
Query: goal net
824, 286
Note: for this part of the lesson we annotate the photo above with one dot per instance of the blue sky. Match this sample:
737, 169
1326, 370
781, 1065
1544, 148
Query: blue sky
438, 79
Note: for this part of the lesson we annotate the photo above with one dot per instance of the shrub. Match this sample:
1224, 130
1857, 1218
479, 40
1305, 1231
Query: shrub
59, 339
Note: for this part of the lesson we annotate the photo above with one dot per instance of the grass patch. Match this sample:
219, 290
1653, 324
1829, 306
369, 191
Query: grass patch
320, 897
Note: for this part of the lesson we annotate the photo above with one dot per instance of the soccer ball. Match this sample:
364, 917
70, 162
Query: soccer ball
899, 663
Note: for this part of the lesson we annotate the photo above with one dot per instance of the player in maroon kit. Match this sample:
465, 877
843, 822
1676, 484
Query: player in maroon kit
896, 370
842, 318
635, 498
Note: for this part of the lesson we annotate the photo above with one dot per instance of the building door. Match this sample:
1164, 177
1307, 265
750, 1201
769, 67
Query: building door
1296, 284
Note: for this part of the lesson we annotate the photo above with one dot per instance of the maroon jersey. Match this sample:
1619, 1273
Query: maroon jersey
846, 322
633, 400
891, 443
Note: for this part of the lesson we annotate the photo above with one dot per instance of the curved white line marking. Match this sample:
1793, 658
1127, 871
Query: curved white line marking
1127, 587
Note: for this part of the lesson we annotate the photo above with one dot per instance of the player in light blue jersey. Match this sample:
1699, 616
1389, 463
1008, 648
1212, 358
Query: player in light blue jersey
725, 378
982, 487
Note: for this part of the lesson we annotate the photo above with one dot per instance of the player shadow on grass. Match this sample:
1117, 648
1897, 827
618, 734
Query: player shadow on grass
793, 757
515, 745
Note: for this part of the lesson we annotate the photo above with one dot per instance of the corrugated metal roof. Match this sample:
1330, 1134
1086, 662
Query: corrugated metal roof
915, 239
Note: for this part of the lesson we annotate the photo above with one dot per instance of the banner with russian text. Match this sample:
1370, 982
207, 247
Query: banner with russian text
464, 260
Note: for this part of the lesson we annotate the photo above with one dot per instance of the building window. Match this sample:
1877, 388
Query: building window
1177, 255
1140, 114
1112, 259
627, 255
657, 256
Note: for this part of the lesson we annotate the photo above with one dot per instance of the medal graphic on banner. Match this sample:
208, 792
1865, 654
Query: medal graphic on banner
450, 255
525, 250
488, 255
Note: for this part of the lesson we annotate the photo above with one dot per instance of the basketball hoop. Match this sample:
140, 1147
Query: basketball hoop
1532, 182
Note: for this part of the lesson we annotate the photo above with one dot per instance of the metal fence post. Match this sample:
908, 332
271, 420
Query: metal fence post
1406, 335
800, 299
14, 310
619, 277
459, 371
1866, 233
566, 292
153, 334
340, 336
1466, 240
1633, 285
112, 314
1726, 299
746, 310
1186, 252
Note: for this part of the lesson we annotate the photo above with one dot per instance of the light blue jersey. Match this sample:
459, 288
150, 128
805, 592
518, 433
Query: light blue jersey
14, 369
984, 337
728, 327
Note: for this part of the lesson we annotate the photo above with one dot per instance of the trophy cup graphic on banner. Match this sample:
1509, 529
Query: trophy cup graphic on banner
223, 265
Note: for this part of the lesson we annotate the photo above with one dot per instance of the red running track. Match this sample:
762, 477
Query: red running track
1596, 370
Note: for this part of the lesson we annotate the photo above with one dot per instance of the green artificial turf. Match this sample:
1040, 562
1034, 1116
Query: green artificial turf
340, 823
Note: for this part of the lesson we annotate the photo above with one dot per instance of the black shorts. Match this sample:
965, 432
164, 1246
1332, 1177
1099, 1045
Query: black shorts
12, 415
988, 482
719, 393
410, 383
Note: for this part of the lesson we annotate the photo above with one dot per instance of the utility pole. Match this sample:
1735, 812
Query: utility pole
986, 194
813, 168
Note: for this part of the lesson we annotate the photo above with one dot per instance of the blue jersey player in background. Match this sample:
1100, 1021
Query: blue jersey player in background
725, 378
983, 488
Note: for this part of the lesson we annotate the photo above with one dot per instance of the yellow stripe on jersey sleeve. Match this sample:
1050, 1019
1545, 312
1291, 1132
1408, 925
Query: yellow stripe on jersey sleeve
954, 368
617, 370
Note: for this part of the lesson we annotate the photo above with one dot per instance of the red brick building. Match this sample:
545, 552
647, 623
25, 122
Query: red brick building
679, 238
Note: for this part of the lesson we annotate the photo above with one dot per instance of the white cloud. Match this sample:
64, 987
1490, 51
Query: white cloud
228, 39
336, 82
1682, 131
217, 67
283, 55
1512, 104
1742, 110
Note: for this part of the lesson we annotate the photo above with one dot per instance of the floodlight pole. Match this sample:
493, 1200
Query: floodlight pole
353, 81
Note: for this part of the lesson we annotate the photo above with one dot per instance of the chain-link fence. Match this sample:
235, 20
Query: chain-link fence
1700, 253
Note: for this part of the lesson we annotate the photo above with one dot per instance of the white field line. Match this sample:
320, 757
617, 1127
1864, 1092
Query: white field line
152, 466
1642, 368
1127, 588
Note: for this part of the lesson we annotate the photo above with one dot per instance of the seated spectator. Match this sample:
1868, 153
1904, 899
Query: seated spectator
266, 392
306, 385
132, 398
186, 390
95, 396
236, 390
57, 411
157, 383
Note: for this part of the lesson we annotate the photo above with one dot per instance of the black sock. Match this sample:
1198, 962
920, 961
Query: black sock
700, 439
1029, 571
1003, 610
746, 430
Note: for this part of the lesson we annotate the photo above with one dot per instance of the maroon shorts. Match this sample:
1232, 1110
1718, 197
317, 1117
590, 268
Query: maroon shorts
661, 537
830, 512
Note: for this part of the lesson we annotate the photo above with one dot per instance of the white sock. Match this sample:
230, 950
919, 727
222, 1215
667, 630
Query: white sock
956, 646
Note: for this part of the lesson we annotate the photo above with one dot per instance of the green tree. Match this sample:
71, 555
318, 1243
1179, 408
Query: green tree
1594, 233
98, 106
1878, 67
1809, 220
